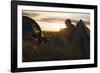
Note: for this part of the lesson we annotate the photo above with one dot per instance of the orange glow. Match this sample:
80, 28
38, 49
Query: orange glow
52, 27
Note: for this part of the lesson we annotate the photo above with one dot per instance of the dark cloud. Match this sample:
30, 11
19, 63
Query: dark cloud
51, 19
31, 14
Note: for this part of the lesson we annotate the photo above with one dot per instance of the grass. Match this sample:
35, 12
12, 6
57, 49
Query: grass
58, 47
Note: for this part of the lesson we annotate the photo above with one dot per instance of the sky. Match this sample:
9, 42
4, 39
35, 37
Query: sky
54, 21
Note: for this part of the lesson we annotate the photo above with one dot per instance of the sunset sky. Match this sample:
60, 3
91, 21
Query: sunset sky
54, 21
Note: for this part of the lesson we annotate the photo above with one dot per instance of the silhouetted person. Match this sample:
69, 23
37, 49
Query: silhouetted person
82, 27
70, 26
67, 34
83, 38
70, 30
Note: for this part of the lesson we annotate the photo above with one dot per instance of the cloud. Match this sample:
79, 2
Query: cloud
29, 14
46, 16
53, 19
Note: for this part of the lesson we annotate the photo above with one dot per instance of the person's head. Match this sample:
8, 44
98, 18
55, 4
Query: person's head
68, 22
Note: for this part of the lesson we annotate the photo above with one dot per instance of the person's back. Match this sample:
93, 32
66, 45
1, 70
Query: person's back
67, 34
83, 38
70, 30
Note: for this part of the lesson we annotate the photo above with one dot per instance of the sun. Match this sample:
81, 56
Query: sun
54, 27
